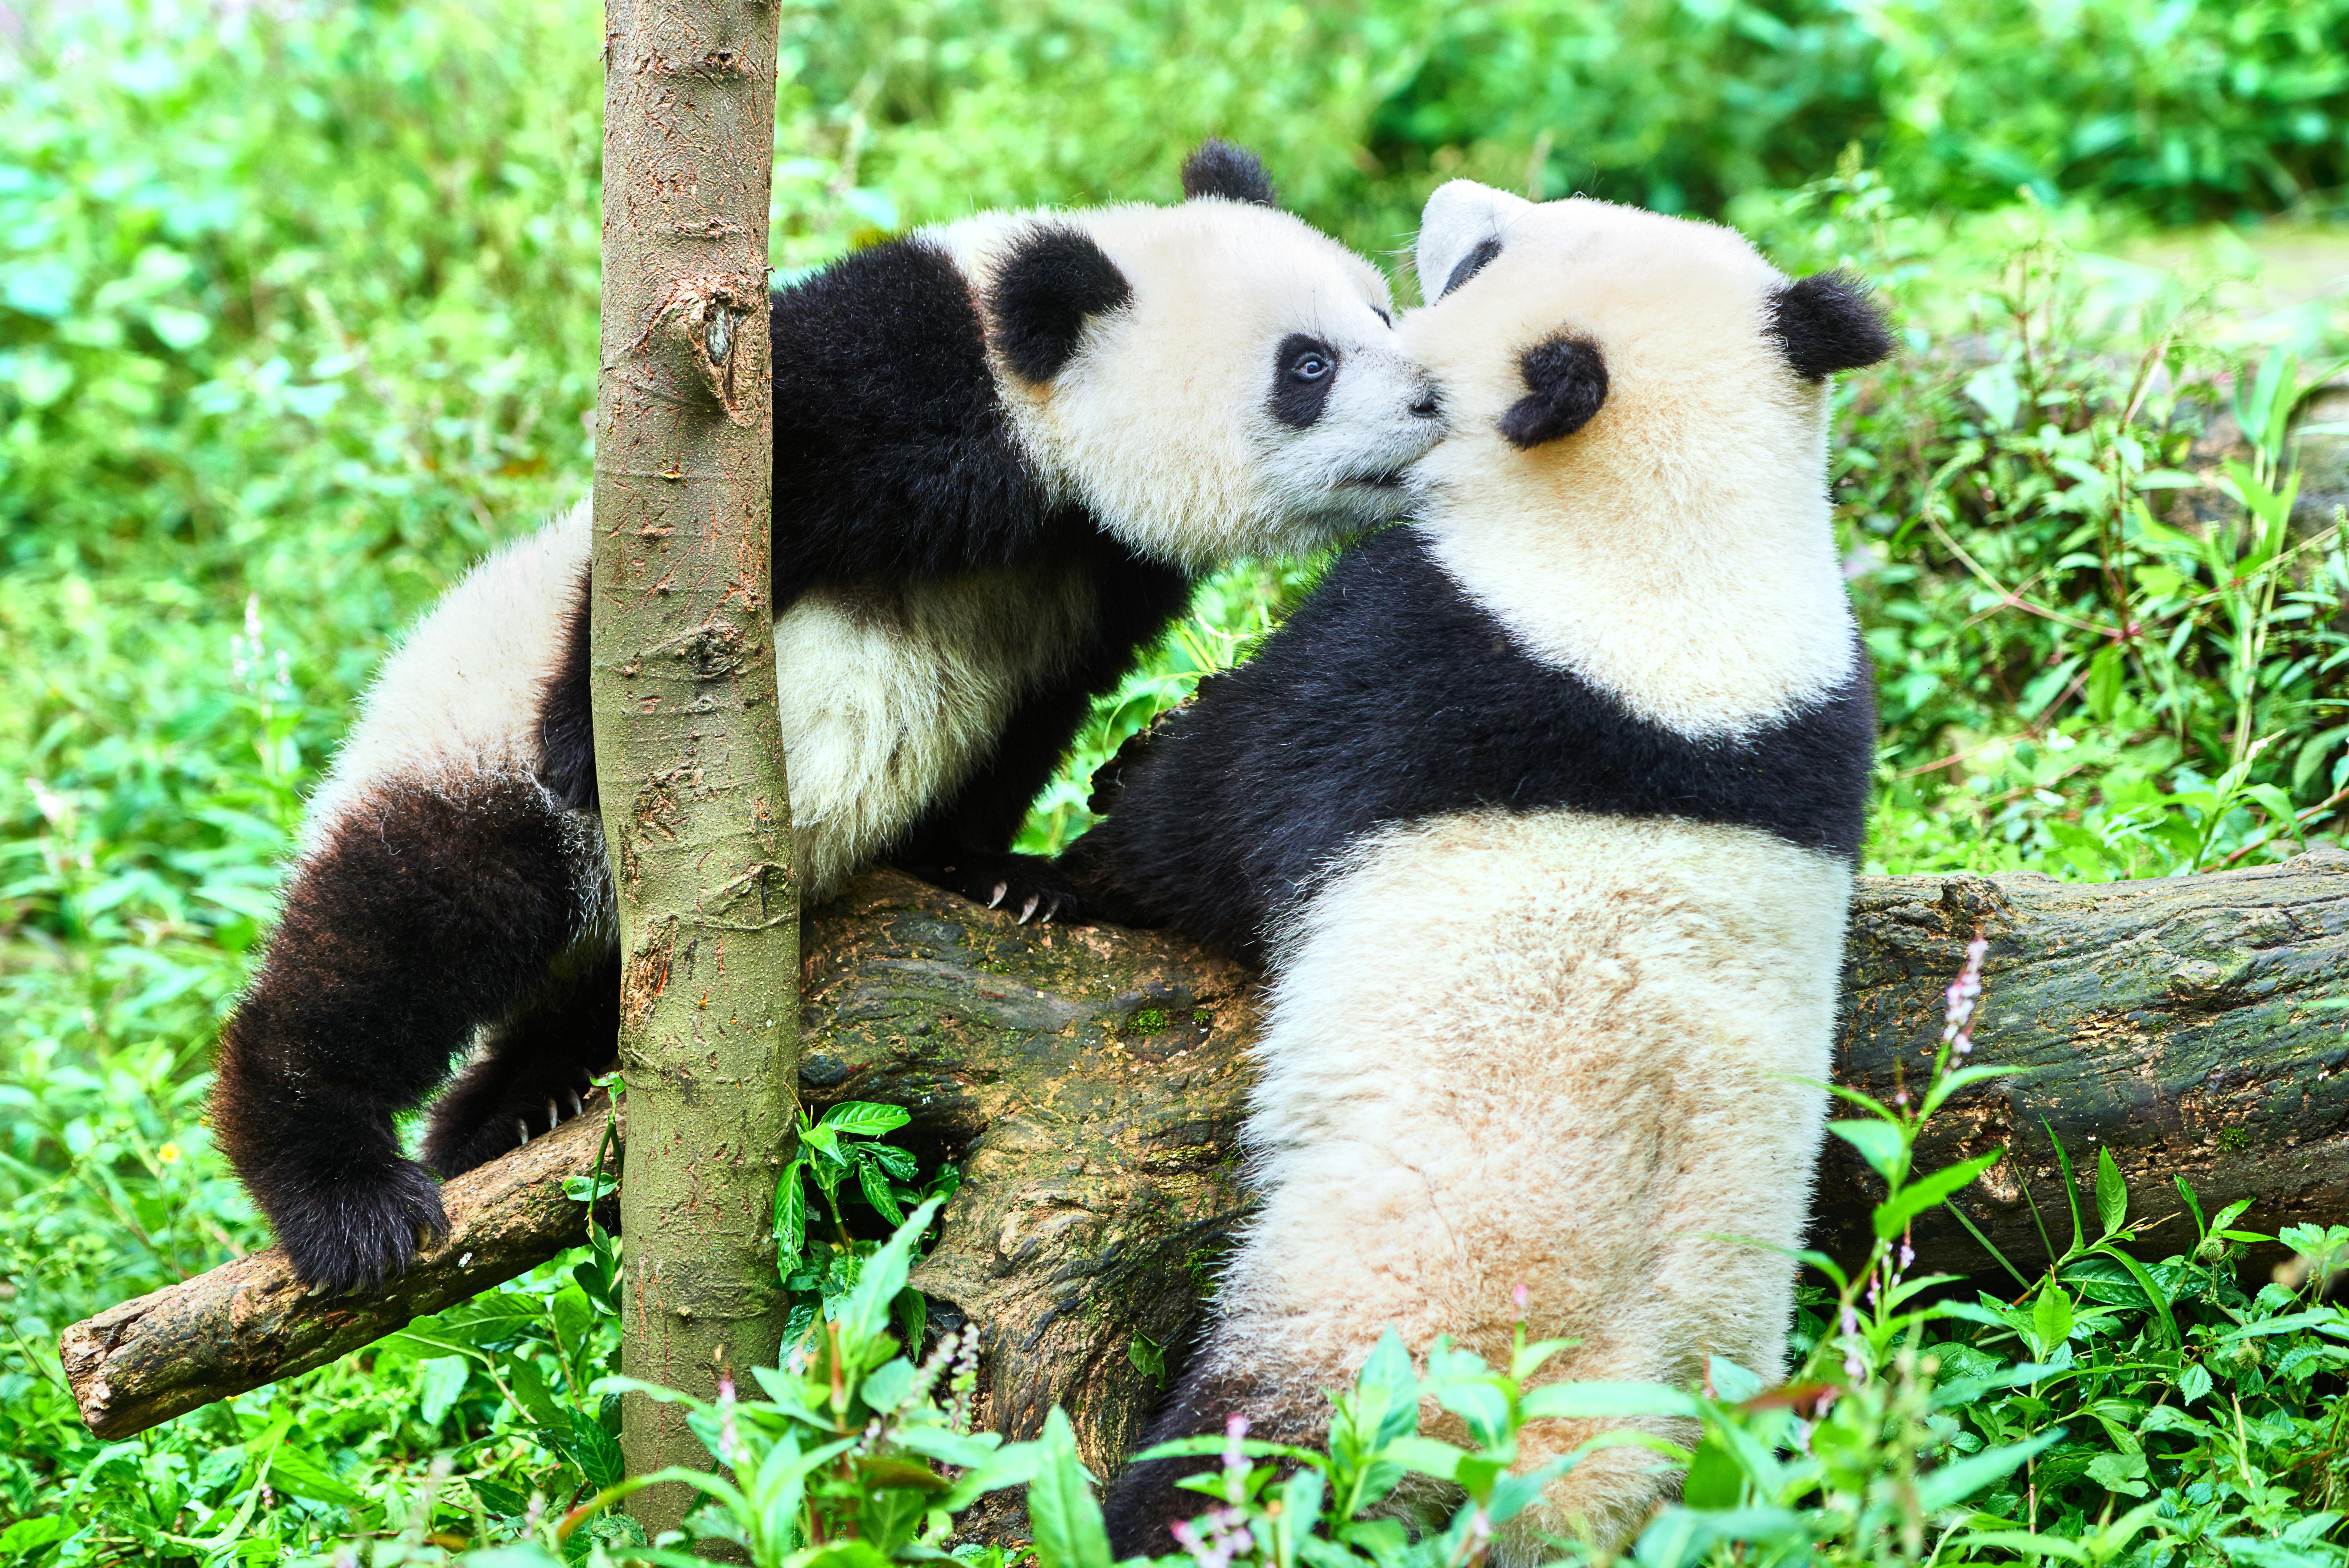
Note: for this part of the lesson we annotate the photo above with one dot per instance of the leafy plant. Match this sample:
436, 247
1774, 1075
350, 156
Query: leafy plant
844, 1142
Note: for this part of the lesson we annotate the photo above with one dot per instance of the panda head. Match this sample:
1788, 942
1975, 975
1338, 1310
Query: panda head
1635, 479
1578, 339
1211, 380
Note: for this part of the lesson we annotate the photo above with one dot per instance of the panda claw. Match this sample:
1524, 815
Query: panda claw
521, 1126
1000, 888
553, 1114
1029, 908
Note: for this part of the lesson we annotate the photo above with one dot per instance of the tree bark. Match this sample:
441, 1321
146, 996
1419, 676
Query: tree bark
1093, 1081
690, 758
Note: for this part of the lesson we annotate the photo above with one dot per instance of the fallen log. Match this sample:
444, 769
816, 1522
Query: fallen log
1092, 1083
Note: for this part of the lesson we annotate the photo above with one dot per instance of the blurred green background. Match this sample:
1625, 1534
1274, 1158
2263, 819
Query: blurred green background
298, 314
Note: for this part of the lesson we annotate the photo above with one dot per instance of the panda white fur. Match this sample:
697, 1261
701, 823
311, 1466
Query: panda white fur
1003, 447
1546, 806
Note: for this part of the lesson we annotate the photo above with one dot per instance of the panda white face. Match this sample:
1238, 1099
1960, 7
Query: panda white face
1212, 380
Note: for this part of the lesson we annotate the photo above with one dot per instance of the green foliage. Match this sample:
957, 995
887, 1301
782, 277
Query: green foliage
2104, 647
2186, 109
820, 1271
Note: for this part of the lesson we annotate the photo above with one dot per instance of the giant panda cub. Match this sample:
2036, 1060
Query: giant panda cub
1003, 448
1546, 806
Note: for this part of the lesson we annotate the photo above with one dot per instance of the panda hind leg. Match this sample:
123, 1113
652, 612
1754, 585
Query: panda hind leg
425, 909
534, 1072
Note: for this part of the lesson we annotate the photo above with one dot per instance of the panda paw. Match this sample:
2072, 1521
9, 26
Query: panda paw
362, 1228
1026, 886
467, 1129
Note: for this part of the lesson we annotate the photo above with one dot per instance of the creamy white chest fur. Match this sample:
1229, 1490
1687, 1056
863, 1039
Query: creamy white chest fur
886, 694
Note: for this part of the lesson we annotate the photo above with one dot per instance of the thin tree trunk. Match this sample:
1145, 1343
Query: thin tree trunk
688, 757
1092, 1082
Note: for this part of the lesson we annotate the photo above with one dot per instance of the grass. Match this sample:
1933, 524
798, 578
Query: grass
297, 311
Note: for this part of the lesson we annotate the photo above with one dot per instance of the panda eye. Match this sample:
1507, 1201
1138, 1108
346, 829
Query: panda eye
1311, 364
1304, 369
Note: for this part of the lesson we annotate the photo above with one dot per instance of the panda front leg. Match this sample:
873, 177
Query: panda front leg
423, 909
533, 1071
963, 844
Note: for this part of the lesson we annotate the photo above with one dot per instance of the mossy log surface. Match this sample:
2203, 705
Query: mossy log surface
1093, 1082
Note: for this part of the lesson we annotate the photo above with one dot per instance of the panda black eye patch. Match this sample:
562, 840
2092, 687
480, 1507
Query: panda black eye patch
1304, 369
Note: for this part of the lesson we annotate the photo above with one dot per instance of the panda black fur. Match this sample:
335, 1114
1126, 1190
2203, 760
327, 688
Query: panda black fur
1545, 807
1003, 447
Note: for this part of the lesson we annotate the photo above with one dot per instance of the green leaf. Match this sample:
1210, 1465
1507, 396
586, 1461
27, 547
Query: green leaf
2112, 1193
1951, 1083
2122, 1473
529, 1386
292, 1470
2071, 1188
27, 1533
790, 1217
864, 1313
2193, 1203
1388, 1372
2051, 1319
1061, 1511
1714, 1479
1882, 1144
864, 1118
875, 1183
964, 1450
887, 1388
2145, 1282
1585, 1401
2103, 688
596, 1454
1015, 1464
1427, 1457
1893, 1215
1959, 1479
1148, 1356
498, 1500
2320, 1317
441, 1380
913, 1310
573, 1316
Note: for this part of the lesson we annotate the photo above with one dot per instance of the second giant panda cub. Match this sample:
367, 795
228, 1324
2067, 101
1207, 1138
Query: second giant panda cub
1546, 806
1003, 448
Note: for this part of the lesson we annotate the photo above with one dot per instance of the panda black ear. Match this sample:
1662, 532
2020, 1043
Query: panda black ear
1568, 377
1220, 169
1052, 281
1827, 323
